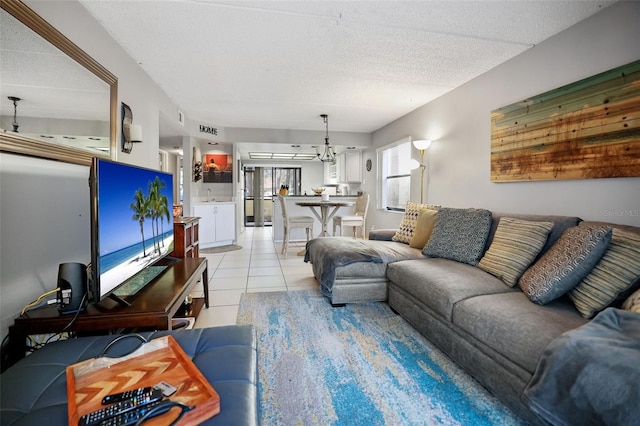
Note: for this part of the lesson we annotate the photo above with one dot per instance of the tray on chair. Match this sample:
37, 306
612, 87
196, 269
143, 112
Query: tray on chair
158, 360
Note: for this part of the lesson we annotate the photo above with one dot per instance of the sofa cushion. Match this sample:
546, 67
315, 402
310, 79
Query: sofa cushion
513, 326
424, 228
515, 245
565, 264
633, 302
459, 234
408, 224
560, 224
613, 278
362, 270
441, 283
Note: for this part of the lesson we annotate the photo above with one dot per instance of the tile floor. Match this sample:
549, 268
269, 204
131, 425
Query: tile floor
257, 267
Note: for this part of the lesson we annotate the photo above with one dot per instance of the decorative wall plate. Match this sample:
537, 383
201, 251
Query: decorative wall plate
368, 165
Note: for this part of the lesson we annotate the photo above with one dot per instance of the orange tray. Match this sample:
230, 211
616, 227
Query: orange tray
158, 360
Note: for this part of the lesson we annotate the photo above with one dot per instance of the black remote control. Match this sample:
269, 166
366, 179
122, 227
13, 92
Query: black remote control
99, 416
131, 417
123, 396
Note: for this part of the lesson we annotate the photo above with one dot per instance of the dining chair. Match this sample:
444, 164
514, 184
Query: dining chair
291, 222
357, 220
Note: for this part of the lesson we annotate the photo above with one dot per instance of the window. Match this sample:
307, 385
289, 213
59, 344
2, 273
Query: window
395, 175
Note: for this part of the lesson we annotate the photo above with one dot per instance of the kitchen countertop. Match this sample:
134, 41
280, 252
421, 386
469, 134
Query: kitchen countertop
318, 196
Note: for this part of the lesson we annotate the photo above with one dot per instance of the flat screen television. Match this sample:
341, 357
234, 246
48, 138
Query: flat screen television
131, 227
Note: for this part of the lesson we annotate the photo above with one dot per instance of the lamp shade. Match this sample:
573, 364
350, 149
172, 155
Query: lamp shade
135, 133
413, 164
422, 144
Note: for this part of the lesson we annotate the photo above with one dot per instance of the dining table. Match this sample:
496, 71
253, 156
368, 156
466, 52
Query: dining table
324, 216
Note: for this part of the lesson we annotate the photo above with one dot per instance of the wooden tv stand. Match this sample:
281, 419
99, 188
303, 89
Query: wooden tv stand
154, 306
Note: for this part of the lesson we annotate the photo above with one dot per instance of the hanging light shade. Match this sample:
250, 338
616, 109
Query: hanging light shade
329, 153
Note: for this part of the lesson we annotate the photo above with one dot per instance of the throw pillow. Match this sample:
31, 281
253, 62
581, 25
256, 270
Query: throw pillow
424, 228
613, 278
566, 263
459, 234
515, 246
633, 302
408, 223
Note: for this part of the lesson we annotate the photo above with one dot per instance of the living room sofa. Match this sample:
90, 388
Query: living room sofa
493, 330
34, 390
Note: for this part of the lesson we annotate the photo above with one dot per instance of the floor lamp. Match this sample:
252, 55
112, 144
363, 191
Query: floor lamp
421, 145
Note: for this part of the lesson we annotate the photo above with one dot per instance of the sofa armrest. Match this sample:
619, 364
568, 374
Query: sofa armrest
382, 234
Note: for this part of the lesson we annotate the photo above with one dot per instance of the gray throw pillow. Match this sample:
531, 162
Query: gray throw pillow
459, 234
566, 263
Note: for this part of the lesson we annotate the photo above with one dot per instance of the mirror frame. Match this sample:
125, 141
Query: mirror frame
17, 144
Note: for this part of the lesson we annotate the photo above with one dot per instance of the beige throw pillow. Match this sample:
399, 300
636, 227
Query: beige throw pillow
409, 220
613, 278
515, 246
424, 228
633, 302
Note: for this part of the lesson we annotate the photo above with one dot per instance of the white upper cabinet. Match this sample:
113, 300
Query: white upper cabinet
352, 166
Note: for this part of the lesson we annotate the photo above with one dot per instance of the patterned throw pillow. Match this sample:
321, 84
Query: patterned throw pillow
613, 278
408, 224
424, 228
459, 234
633, 302
566, 263
515, 245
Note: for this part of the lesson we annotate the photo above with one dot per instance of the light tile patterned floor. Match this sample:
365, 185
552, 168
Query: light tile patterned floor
258, 267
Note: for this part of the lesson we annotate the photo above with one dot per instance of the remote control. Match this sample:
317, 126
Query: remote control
131, 417
123, 396
122, 407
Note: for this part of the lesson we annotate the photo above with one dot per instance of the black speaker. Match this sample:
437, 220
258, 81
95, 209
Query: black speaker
72, 282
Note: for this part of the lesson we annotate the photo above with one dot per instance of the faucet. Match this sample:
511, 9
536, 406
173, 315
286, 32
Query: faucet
208, 194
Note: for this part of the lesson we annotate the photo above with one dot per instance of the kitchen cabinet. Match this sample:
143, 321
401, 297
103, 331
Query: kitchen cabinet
217, 223
351, 167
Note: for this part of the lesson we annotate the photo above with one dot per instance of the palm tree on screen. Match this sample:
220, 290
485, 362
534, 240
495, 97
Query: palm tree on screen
158, 205
139, 207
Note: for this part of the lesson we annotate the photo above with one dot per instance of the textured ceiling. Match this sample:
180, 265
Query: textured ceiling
280, 64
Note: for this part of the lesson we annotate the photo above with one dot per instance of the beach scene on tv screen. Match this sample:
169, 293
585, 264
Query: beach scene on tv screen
135, 213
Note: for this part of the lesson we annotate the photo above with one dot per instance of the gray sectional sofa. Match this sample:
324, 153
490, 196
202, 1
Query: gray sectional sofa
494, 331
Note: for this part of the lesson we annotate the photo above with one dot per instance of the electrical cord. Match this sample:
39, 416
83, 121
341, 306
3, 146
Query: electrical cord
75, 317
163, 407
60, 335
37, 301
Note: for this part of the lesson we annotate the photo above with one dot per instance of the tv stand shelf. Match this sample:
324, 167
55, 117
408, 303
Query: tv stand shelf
154, 306
197, 303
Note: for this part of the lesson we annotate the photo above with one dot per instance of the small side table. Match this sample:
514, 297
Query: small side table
186, 238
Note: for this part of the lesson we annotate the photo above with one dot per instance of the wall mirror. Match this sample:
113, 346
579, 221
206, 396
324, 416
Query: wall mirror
57, 102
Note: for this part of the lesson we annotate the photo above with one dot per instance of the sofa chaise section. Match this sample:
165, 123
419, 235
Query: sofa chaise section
353, 270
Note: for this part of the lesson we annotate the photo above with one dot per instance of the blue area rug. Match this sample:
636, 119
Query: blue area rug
356, 365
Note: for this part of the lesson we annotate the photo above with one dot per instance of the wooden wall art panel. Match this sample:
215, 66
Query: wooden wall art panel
587, 129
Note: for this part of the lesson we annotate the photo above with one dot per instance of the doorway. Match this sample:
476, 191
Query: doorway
261, 185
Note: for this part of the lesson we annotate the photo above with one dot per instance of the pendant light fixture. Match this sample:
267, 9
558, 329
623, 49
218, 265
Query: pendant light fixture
15, 101
329, 154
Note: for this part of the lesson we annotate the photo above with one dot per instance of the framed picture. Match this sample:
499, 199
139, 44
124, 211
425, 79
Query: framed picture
217, 168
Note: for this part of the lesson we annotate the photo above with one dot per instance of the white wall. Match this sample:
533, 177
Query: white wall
44, 217
44, 221
459, 124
